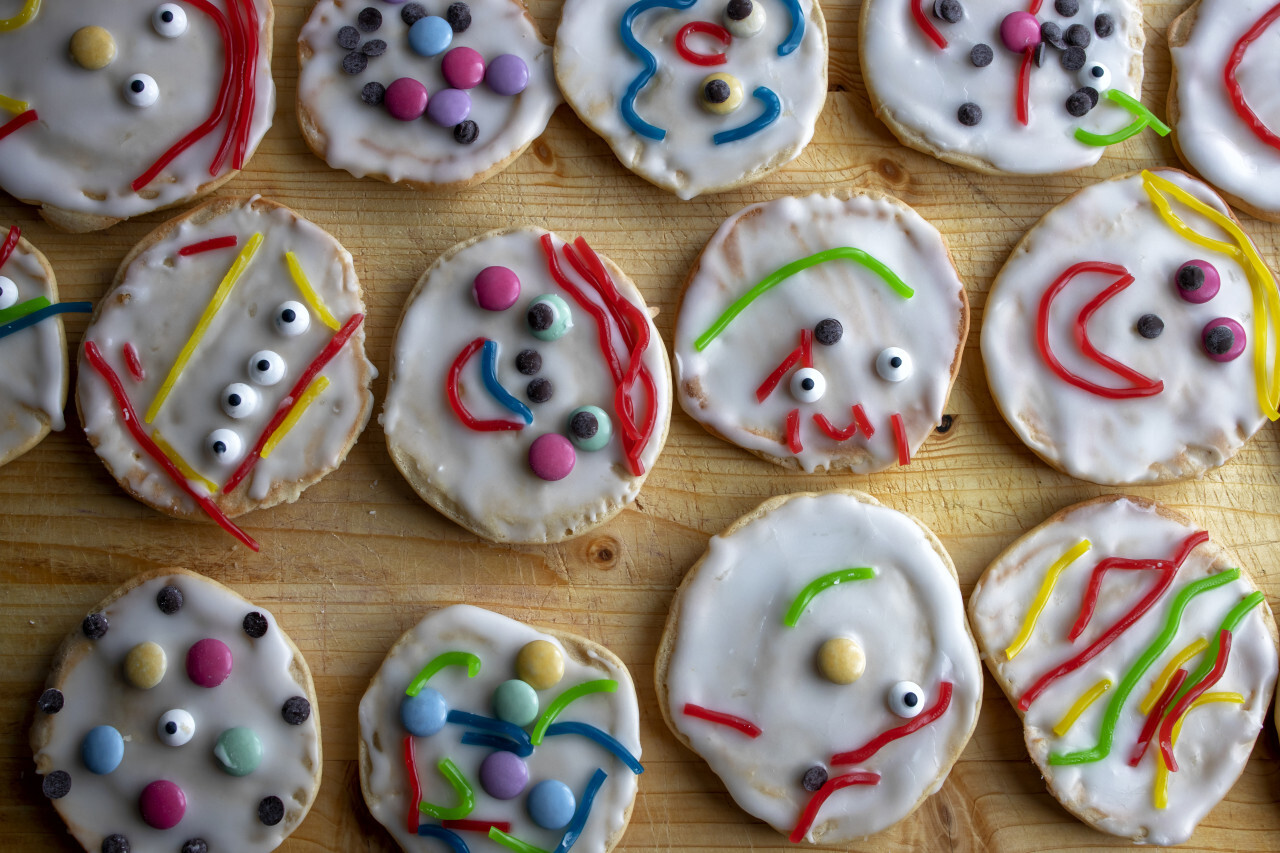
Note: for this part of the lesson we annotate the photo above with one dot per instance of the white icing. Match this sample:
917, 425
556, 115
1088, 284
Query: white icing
90, 144
1207, 409
486, 475
571, 759
222, 809
1212, 137
595, 70
1215, 741
156, 308
366, 140
717, 386
921, 86
733, 654
34, 380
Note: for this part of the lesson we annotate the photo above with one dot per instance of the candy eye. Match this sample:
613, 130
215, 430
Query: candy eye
893, 364
175, 727
266, 367
549, 318
141, 90
808, 385
589, 428
906, 699
1150, 326
292, 319
169, 20
224, 445
744, 18
8, 292
1095, 75
1197, 281
1223, 339
721, 93
239, 400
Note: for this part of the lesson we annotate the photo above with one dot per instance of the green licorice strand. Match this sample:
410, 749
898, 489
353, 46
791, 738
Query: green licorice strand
439, 662
783, 273
22, 309
466, 797
601, 685
513, 843
1148, 657
1210, 656
821, 584
1103, 140
1135, 106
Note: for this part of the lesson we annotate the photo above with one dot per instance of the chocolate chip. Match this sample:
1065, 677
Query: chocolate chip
540, 390
50, 701
1104, 25
195, 845
716, 91
1190, 278
981, 55
169, 600
814, 778
255, 624
828, 331
348, 38
528, 362
411, 13
374, 47
1150, 326
1037, 55
944, 426
1067, 8
584, 425
969, 114
1073, 58
466, 133
1079, 103
373, 94
355, 62
56, 785
270, 811
948, 10
1077, 35
459, 17
296, 710
1219, 340
1052, 33
738, 10
116, 844
369, 19
95, 624
1092, 93
541, 316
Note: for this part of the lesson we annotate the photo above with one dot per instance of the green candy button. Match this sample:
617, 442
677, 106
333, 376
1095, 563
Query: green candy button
516, 702
239, 751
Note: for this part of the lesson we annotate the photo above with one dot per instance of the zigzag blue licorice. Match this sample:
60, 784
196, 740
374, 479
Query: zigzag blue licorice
772, 109
626, 31
601, 737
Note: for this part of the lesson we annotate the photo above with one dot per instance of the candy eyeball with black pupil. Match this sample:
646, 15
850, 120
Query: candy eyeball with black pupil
239, 400
292, 318
720, 93
266, 367
906, 699
8, 292
224, 445
589, 428
169, 20
1223, 339
1097, 75
141, 90
808, 385
744, 18
1197, 281
893, 364
549, 317
176, 727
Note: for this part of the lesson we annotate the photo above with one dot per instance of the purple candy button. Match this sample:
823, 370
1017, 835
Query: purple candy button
551, 456
496, 288
503, 775
463, 68
507, 74
406, 99
449, 107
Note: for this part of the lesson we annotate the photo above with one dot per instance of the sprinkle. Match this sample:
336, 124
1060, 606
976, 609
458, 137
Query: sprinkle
626, 29
181, 464
56, 785
1080, 706
772, 109
871, 747
810, 811
33, 317
706, 28
1042, 597
270, 811
601, 737
489, 372
745, 726
411, 770
814, 778
455, 400
1158, 688
796, 34
439, 662
18, 123
926, 26
315, 389
466, 798
308, 292
553, 710
900, 438
455, 843
1152, 723
95, 626
296, 710
24, 16
1160, 791
50, 701
821, 584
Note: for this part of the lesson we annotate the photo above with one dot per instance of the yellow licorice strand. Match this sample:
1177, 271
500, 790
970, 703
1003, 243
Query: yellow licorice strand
1042, 597
13, 105
1163, 681
181, 464
309, 293
1081, 705
1160, 791
308, 396
219, 297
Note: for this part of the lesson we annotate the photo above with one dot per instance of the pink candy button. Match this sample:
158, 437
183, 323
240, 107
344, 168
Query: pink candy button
1019, 31
551, 456
463, 68
496, 288
406, 99
209, 662
162, 804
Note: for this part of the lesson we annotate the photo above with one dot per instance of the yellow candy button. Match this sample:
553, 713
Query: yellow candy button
145, 665
540, 664
720, 93
841, 661
92, 48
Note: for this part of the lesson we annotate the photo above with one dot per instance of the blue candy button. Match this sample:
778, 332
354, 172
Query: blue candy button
102, 750
430, 36
551, 804
424, 715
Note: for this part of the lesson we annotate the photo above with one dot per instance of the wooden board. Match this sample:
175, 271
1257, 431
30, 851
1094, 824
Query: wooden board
359, 559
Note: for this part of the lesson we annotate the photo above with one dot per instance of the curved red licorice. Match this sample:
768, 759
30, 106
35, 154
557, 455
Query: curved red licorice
455, 400
235, 102
863, 422
21, 121
1184, 704
411, 769
10, 243
472, 825
926, 26
771, 381
130, 419
832, 432
706, 28
1035, 7
1246, 113
900, 438
793, 431
249, 85
806, 347
1024, 87
337, 342
132, 362
1153, 719
209, 245
1142, 386
820, 796
745, 726
878, 742
1166, 568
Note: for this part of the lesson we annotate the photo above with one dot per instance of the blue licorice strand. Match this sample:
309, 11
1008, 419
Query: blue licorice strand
489, 724
796, 35
22, 309
489, 370
772, 109
639, 51
42, 313
448, 836
601, 737
580, 814
1229, 624
492, 741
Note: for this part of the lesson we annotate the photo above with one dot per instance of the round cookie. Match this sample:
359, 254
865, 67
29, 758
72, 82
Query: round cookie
817, 657
233, 336
1125, 338
822, 332
1181, 652
529, 393
178, 712
476, 721
118, 109
704, 95
423, 94
1013, 87
1228, 135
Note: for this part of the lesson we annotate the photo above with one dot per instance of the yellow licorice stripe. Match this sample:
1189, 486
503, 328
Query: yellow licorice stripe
219, 297
21, 19
1086, 699
13, 105
1163, 681
181, 464
308, 293
1160, 792
1042, 597
1266, 296
308, 396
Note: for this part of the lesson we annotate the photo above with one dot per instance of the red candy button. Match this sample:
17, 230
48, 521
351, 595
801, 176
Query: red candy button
209, 662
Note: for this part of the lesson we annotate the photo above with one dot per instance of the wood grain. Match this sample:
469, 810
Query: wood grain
359, 559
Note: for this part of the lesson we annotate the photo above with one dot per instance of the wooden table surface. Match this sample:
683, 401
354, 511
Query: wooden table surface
360, 558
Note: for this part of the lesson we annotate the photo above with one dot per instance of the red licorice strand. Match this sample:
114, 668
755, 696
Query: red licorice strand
209, 245
926, 26
1184, 704
472, 825
18, 123
623, 404
455, 400
1153, 719
411, 769
832, 432
1246, 113
599, 276
650, 421
705, 28
835, 783
606, 343
743, 725
878, 742
1087, 347
1035, 7
132, 362
10, 243
793, 431
900, 438
1024, 88
336, 343
130, 419
237, 88
863, 422
771, 381
245, 127
806, 347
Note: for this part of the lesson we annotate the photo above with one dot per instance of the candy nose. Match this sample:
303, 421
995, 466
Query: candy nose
93, 48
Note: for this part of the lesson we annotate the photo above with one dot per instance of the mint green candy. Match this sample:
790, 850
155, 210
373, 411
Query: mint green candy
516, 702
549, 317
590, 428
239, 751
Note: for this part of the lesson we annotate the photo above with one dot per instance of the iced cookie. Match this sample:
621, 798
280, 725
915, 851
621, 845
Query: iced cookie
817, 658
178, 717
119, 109
1017, 86
33, 349
822, 332
485, 734
529, 392
696, 96
1142, 718
423, 93
1126, 338
1223, 102
224, 371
